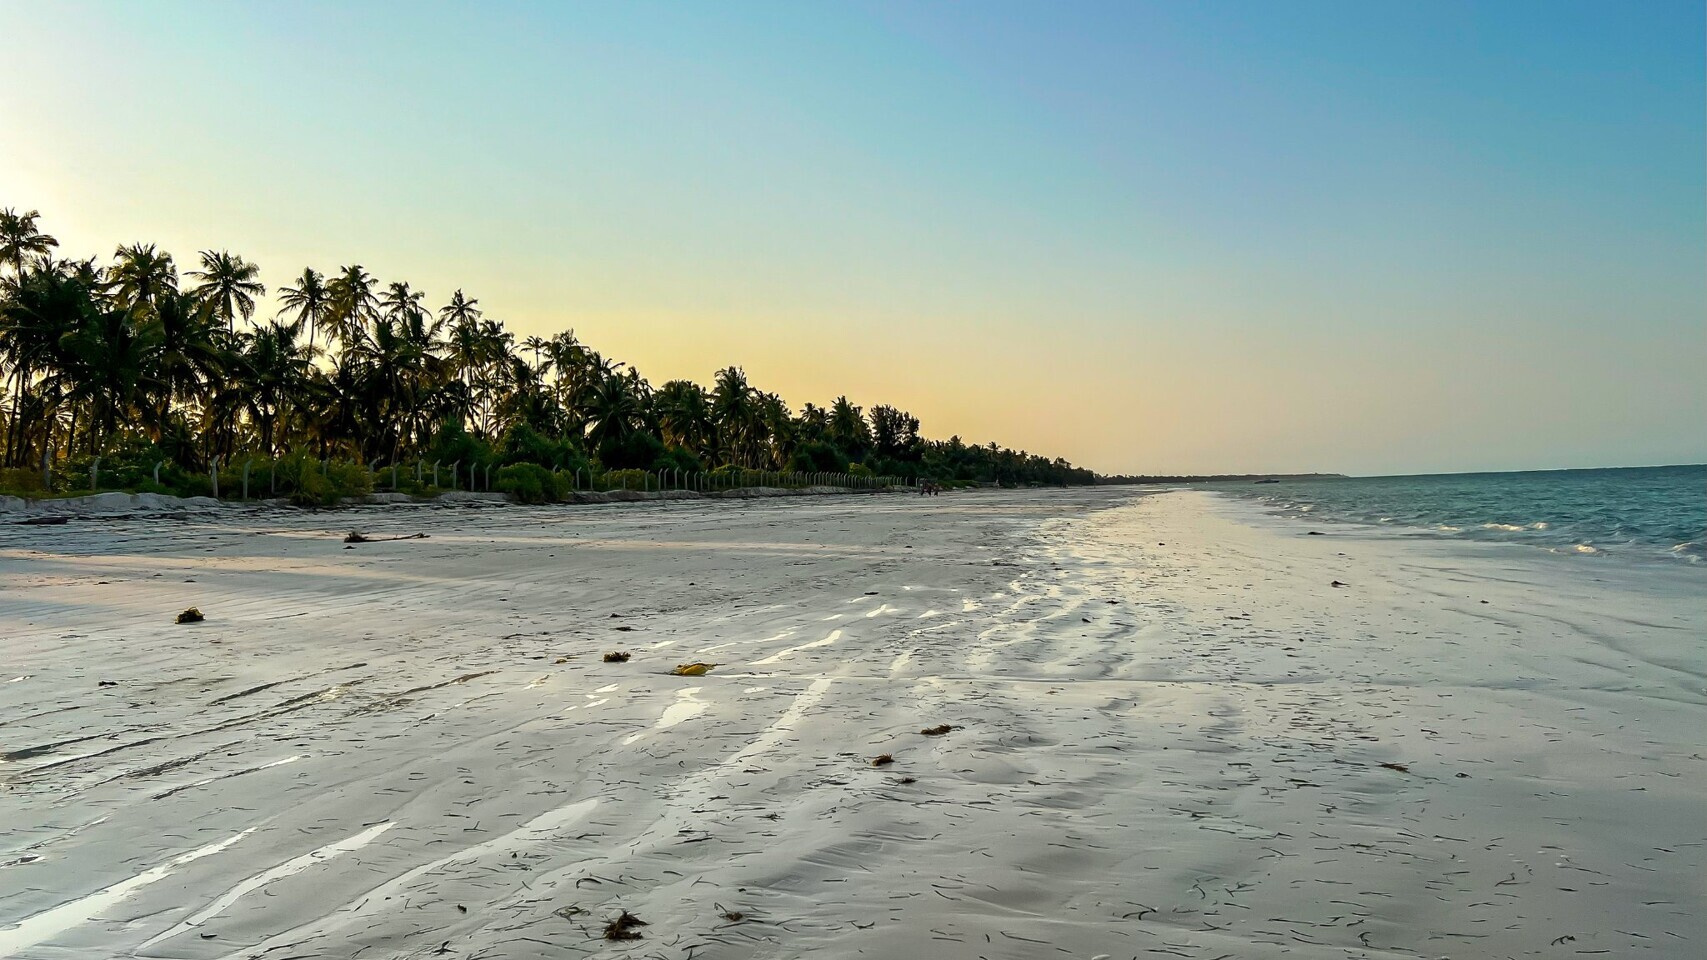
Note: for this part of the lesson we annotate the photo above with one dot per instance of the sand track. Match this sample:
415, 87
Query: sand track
414, 749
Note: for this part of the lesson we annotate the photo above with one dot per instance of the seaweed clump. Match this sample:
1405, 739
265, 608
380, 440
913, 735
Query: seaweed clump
622, 928
617, 656
191, 615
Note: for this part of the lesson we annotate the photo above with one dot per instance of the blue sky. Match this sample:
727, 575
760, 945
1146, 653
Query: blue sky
1160, 237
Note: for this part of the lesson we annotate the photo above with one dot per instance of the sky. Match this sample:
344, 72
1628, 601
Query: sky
1240, 237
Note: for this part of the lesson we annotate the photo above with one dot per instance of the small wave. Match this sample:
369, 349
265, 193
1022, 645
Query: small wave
1445, 528
1584, 548
1540, 525
1504, 526
1693, 551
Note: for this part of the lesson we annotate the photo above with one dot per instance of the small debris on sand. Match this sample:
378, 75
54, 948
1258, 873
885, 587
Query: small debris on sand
617, 656
1339, 583
882, 760
693, 669
937, 730
622, 928
191, 615
1402, 768
733, 916
357, 537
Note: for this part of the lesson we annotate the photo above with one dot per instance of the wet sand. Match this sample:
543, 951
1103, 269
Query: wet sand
1173, 736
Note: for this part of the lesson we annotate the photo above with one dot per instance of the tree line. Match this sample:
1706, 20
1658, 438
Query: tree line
136, 362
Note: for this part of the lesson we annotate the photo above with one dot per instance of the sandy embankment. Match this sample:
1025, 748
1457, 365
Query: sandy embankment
1171, 737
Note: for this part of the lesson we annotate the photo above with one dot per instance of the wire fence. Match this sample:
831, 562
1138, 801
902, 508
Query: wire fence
260, 477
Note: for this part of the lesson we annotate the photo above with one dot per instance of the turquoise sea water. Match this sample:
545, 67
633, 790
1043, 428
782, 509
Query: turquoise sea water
1636, 512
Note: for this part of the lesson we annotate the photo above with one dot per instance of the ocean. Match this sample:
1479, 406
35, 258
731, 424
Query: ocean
1634, 512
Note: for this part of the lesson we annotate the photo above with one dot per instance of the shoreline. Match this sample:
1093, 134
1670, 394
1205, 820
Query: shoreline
1171, 732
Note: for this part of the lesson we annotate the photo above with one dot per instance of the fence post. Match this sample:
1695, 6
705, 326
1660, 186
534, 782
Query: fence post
455, 469
394, 478
246, 465
435, 473
94, 475
157, 464
213, 474
489, 476
417, 472
47, 468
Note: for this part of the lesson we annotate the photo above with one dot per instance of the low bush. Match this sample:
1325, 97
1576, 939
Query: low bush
311, 482
528, 483
21, 481
625, 480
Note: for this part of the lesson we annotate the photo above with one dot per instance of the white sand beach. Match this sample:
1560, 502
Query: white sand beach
1173, 735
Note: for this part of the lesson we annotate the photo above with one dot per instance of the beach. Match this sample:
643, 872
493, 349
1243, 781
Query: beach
1181, 727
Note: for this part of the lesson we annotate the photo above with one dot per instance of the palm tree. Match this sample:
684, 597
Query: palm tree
278, 369
682, 410
401, 304
39, 312
140, 273
536, 344
229, 283
615, 409
353, 304
848, 429
19, 238
779, 430
460, 310
310, 300
735, 416
193, 353
108, 367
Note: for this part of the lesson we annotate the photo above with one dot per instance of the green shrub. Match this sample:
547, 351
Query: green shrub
310, 482
184, 484
21, 481
816, 456
528, 483
677, 458
625, 480
453, 444
637, 450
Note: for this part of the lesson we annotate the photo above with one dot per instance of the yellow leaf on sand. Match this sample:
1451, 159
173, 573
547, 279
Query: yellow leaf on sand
693, 669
